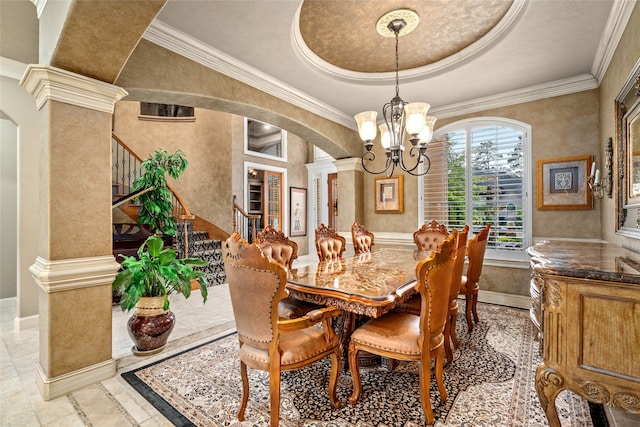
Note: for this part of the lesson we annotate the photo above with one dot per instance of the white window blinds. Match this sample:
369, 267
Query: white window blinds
476, 178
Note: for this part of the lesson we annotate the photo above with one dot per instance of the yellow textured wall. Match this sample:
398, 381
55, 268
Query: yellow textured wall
214, 147
627, 53
206, 143
562, 126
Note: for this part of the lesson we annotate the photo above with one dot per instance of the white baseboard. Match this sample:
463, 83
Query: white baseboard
51, 388
510, 300
24, 323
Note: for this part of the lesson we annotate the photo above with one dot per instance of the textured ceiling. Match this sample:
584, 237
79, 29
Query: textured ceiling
539, 48
343, 33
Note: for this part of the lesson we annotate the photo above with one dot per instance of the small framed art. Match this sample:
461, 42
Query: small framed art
389, 195
298, 212
562, 183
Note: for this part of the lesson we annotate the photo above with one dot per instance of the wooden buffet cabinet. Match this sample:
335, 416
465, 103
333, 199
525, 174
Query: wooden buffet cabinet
586, 304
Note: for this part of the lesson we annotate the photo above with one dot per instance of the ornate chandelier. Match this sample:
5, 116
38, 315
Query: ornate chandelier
399, 116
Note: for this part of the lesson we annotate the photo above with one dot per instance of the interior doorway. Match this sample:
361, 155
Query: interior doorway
265, 196
332, 183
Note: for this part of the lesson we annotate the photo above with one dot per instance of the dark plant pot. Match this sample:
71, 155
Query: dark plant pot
149, 326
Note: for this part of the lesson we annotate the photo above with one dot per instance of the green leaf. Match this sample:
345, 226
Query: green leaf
167, 256
154, 245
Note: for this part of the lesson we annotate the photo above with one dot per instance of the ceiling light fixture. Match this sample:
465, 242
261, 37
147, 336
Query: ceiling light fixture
399, 116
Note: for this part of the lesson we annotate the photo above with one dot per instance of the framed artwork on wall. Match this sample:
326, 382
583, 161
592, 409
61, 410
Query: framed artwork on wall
298, 212
562, 183
389, 195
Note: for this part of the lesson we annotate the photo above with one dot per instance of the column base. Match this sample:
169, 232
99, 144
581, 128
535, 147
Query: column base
51, 388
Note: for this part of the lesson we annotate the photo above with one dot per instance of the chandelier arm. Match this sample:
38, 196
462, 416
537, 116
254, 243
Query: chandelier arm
421, 158
370, 156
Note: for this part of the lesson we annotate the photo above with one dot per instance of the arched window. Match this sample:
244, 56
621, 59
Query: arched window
480, 173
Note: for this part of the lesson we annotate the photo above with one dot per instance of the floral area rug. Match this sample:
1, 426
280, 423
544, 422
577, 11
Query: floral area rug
490, 382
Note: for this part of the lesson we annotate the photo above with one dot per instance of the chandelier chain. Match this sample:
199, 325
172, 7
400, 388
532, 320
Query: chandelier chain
397, 31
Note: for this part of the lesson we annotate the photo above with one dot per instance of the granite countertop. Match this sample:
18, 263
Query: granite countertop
601, 261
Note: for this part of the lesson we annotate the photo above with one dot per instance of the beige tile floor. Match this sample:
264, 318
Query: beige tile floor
113, 402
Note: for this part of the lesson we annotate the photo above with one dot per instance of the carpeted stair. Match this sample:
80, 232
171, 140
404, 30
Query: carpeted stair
210, 251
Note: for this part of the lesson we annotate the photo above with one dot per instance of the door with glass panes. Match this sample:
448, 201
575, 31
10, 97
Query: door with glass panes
273, 199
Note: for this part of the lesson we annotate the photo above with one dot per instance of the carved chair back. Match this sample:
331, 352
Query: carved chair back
277, 246
362, 239
475, 252
329, 244
428, 237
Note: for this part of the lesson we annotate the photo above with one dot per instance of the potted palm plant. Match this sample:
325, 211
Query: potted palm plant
146, 283
155, 204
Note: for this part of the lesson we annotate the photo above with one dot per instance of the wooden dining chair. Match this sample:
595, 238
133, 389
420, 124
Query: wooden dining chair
362, 239
404, 336
469, 282
454, 290
280, 248
413, 305
267, 342
428, 237
329, 244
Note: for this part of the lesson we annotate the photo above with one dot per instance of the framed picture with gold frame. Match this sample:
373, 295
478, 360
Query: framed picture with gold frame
389, 193
562, 183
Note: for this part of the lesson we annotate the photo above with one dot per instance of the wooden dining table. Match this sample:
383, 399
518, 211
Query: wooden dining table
368, 284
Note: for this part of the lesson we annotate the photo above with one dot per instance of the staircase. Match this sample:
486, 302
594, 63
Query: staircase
128, 235
210, 251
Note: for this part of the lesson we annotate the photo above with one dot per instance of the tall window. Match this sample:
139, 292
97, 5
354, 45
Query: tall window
480, 174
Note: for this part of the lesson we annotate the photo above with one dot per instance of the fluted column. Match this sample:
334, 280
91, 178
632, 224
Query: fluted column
75, 265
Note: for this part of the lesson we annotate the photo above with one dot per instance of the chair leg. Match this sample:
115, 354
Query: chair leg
274, 396
454, 323
245, 391
333, 379
468, 304
474, 306
439, 376
355, 373
447, 341
425, 394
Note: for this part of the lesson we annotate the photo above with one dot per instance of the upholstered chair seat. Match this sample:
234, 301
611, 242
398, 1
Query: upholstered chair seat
405, 336
268, 342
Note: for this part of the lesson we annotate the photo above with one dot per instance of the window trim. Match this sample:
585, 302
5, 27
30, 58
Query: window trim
283, 143
466, 125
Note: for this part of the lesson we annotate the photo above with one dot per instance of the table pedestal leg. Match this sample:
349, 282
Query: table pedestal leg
344, 332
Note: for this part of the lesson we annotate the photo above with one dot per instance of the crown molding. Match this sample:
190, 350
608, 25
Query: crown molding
616, 24
49, 83
178, 42
11, 68
169, 38
532, 93
40, 5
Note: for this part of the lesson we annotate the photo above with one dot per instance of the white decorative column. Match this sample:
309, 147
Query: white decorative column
350, 193
75, 265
